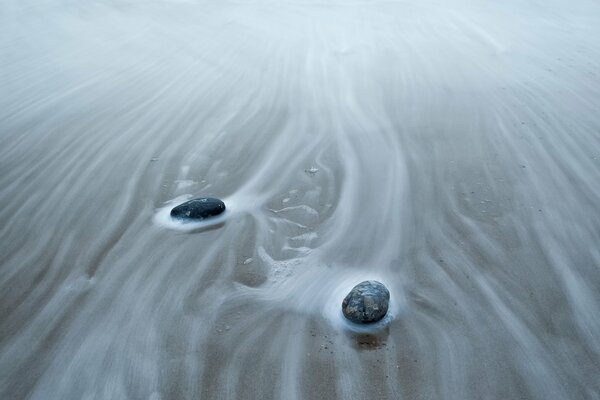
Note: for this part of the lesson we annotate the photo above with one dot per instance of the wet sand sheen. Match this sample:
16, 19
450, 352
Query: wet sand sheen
450, 150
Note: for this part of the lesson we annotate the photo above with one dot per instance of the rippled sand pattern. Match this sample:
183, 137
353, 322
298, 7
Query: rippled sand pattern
449, 149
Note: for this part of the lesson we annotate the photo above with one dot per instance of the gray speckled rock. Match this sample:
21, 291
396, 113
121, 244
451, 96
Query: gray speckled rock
367, 302
197, 209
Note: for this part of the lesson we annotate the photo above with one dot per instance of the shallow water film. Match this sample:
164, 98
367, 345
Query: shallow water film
448, 149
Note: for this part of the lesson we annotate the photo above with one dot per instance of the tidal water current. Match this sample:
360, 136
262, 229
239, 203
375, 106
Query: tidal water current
448, 149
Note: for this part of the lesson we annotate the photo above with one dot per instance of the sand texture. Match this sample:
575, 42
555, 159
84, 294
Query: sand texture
449, 149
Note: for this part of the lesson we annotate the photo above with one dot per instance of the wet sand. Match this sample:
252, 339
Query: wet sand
449, 149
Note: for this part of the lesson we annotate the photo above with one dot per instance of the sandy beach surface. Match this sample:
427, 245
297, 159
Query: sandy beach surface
449, 149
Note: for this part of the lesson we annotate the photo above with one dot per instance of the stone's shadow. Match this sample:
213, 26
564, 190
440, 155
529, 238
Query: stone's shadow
370, 341
202, 229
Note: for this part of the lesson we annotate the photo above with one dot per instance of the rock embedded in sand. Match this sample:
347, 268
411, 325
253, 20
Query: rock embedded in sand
198, 209
367, 302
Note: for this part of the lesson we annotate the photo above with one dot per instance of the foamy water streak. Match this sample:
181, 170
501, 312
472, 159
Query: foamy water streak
450, 150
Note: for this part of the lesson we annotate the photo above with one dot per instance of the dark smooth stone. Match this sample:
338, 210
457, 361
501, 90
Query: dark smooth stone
197, 209
367, 302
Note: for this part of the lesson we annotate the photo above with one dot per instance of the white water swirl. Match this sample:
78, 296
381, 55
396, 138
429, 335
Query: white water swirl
449, 149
